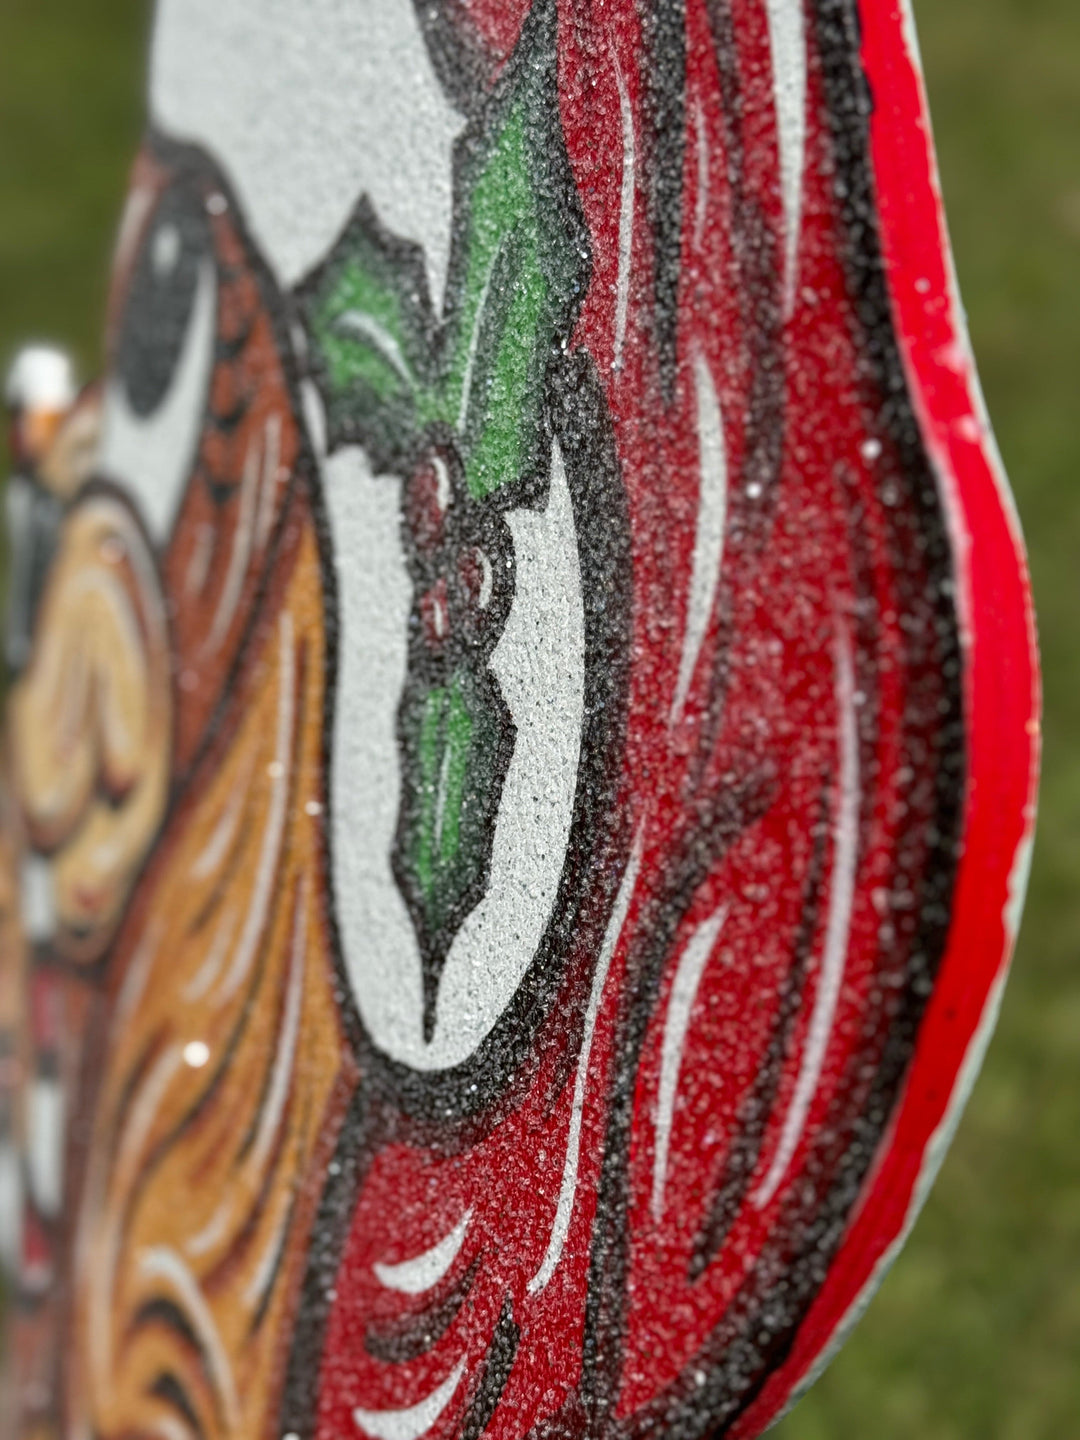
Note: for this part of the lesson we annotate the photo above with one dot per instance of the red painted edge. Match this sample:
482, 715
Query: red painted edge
1002, 696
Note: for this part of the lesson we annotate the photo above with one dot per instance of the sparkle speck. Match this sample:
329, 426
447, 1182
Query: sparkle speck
196, 1053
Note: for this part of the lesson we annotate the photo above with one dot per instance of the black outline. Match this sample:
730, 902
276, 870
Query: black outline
663, 78
758, 1330
445, 1109
415, 1333
156, 316
391, 436
464, 68
598, 845
575, 413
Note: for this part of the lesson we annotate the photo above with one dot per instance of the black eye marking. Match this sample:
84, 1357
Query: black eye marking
160, 300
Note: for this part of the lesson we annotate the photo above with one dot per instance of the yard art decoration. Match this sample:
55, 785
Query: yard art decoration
522, 731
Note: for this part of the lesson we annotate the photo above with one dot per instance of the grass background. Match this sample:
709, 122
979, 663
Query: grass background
976, 1333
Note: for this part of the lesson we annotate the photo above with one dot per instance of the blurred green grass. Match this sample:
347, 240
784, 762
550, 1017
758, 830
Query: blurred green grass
976, 1333
70, 114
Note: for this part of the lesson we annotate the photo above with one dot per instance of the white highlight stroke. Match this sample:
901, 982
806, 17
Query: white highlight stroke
787, 38
711, 520
243, 540
684, 988
564, 1208
214, 1231
210, 857
626, 214
37, 895
208, 972
274, 828
474, 338
45, 1145
267, 1267
841, 896
410, 1423
281, 1076
272, 473
701, 208
159, 1262
102, 1259
368, 328
413, 1277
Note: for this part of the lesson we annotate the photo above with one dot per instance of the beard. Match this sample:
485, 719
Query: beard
216, 1070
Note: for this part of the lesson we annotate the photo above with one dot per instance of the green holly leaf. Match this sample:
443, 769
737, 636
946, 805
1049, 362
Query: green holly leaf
518, 269
519, 265
456, 408
457, 739
371, 339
